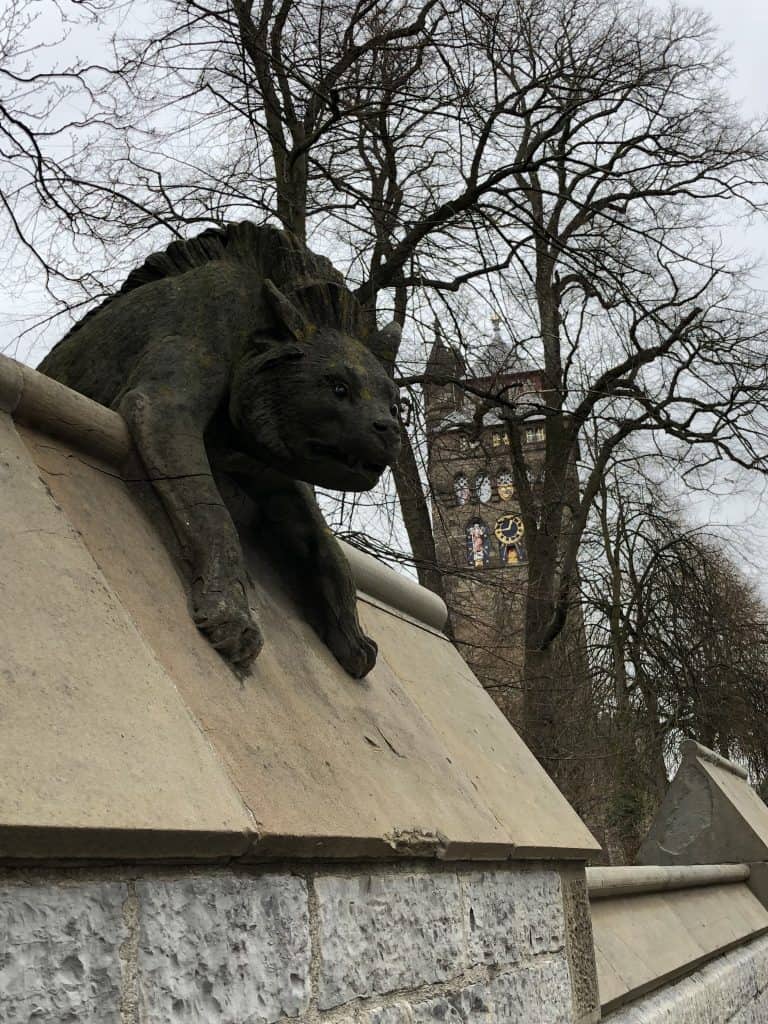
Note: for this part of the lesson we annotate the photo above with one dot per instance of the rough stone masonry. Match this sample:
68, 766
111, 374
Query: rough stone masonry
405, 944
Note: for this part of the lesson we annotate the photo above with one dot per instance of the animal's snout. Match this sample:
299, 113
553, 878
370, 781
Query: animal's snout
388, 430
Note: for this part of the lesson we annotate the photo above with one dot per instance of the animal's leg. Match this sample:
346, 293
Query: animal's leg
167, 403
315, 559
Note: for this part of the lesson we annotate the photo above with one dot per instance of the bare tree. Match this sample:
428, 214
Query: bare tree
678, 641
43, 109
562, 157
615, 286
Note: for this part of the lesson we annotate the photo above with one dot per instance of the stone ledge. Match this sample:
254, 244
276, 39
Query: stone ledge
607, 882
125, 736
647, 940
730, 990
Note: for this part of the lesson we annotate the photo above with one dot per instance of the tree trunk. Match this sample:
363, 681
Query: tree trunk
541, 711
413, 505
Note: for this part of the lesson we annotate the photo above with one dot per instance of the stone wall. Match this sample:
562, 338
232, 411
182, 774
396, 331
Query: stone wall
349, 945
730, 990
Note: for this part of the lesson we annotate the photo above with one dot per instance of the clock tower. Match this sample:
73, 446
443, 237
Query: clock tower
479, 532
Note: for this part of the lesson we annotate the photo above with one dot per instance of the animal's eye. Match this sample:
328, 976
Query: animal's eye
395, 410
340, 389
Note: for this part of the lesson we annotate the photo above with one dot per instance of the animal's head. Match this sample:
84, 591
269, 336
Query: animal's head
316, 403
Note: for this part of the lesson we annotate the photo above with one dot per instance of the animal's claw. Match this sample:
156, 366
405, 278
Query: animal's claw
223, 616
355, 652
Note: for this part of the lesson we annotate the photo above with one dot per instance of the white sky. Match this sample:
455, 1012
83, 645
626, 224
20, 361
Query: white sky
744, 505
741, 513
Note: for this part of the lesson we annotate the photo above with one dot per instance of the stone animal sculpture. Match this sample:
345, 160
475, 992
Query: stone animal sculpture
241, 352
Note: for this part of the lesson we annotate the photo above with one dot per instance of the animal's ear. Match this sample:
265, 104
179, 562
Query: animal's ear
289, 315
264, 354
385, 343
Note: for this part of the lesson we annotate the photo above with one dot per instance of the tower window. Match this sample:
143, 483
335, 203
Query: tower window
535, 435
461, 489
483, 490
478, 544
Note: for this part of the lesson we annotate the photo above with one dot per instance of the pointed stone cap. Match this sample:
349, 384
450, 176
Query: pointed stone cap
710, 815
443, 360
124, 736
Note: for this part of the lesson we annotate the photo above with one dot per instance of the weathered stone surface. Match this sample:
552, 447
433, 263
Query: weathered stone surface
512, 914
643, 940
710, 815
535, 993
730, 990
398, 1013
224, 949
60, 953
580, 946
328, 767
482, 748
381, 932
478, 1004
99, 757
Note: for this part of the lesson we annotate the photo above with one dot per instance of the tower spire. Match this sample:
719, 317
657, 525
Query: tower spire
443, 360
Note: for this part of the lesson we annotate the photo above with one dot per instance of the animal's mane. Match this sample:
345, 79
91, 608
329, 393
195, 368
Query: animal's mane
307, 279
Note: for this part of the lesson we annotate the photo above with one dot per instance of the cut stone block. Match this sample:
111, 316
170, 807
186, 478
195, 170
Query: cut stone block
414, 761
383, 932
224, 948
509, 916
154, 748
710, 815
60, 953
98, 756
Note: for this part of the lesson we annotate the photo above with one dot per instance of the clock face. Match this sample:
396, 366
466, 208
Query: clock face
509, 528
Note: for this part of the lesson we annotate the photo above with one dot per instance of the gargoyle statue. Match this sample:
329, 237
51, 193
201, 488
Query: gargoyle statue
240, 351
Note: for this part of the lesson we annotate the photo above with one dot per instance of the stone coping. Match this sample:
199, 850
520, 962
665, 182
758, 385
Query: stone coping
732, 989
690, 749
644, 940
607, 882
709, 815
45, 404
124, 736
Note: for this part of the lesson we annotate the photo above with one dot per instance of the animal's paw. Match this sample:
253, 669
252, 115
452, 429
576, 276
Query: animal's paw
222, 614
354, 651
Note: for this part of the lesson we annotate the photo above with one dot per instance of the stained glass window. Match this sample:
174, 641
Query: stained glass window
505, 485
461, 489
478, 544
482, 487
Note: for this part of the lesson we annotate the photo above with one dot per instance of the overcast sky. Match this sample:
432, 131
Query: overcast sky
742, 510
744, 24
744, 507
